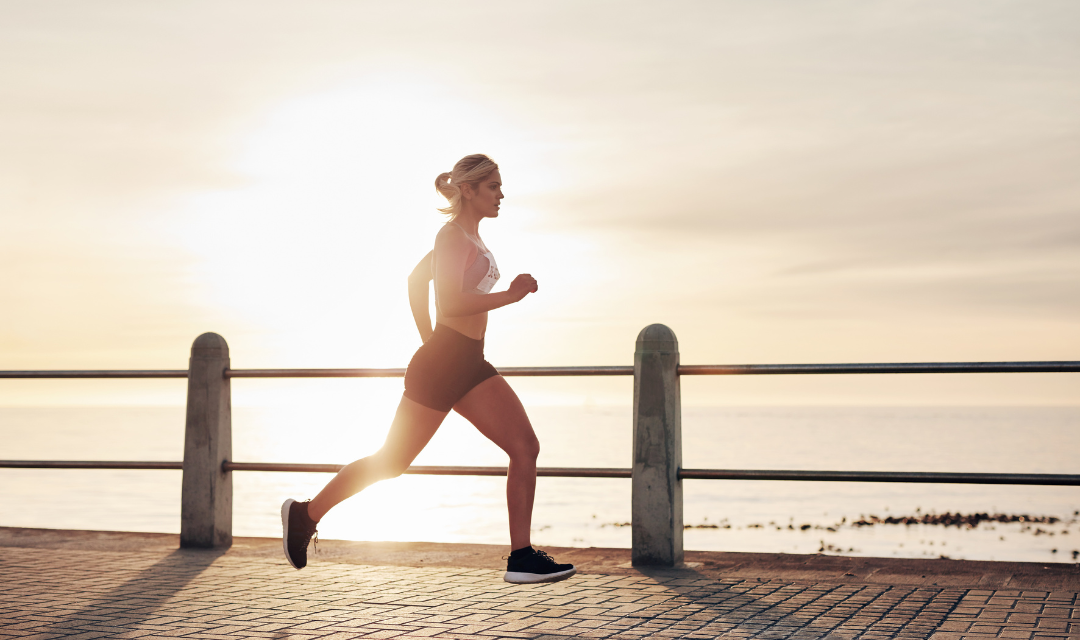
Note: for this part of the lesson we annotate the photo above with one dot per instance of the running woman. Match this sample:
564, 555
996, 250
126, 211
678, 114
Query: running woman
449, 372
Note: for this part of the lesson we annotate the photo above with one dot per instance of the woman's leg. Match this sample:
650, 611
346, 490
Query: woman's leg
495, 410
413, 426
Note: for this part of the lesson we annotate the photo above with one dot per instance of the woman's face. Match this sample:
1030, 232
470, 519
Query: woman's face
487, 195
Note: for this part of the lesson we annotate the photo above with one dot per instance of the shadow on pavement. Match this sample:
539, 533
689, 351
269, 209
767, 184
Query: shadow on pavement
139, 598
814, 610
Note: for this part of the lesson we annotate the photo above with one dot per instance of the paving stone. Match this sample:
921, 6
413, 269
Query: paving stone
84, 594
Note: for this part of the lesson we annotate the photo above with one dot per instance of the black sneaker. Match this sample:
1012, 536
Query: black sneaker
528, 566
297, 528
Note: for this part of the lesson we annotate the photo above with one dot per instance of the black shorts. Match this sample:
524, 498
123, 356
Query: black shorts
445, 368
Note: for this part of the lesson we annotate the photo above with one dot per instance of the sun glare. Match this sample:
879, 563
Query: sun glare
334, 208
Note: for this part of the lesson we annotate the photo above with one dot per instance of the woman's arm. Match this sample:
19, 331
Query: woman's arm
418, 295
454, 251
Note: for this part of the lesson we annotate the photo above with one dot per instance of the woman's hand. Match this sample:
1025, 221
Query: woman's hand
522, 286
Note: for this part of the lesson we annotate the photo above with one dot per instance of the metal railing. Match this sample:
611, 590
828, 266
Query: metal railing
657, 473
1038, 366
923, 477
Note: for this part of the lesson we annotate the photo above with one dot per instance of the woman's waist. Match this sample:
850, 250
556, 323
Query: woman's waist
469, 327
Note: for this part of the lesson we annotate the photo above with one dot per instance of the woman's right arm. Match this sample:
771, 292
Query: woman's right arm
418, 295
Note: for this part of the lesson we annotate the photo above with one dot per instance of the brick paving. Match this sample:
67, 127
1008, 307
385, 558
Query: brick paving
1013, 614
85, 594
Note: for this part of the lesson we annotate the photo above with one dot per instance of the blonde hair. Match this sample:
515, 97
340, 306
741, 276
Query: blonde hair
472, 170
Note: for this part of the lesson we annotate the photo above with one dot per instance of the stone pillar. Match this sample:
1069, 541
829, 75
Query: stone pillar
206, 502
656, 514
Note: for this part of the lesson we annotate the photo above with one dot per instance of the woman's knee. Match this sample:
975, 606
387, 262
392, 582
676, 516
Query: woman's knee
387, 465
526, 450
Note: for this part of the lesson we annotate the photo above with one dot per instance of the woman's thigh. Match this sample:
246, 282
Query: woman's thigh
413, 427
495, 410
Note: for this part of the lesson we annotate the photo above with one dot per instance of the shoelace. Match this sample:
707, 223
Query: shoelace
313, 535
544, 556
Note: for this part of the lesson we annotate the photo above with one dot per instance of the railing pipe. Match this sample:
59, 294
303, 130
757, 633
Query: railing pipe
89, 464
928, 477
878, 367
400, 373
1052, 366
103, 373
923, 477
551, 472
315, 373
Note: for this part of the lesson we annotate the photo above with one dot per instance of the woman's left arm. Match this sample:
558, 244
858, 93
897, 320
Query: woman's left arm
418, 295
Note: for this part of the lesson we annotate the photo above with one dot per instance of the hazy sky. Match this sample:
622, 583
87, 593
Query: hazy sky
776, 181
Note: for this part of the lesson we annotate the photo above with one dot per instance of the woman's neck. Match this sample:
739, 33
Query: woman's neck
469, 224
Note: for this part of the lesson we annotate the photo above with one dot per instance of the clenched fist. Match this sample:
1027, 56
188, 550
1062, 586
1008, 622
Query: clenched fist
522, 286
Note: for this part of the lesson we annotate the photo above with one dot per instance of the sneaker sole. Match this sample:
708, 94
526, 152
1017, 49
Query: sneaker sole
518, 577
285, 530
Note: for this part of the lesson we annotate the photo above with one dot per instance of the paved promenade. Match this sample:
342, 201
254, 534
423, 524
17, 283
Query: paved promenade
111, 585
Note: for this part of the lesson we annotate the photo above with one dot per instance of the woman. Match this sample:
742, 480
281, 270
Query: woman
449, 372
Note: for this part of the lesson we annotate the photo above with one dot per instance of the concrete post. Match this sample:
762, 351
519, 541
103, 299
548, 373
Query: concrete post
206, 501
656, 513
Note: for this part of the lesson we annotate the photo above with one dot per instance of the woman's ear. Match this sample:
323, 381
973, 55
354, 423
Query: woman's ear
467, 191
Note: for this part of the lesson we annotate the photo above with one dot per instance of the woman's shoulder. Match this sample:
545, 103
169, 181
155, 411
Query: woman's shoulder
451, 233
452, 240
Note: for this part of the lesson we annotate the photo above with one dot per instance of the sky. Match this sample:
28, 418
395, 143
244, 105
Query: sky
777, 181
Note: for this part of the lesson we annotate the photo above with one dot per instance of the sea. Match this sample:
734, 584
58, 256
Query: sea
1037, 524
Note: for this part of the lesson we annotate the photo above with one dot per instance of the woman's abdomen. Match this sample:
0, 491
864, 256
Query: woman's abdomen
474, 326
